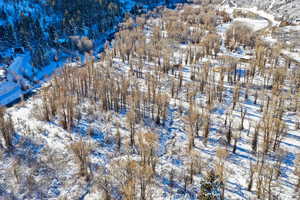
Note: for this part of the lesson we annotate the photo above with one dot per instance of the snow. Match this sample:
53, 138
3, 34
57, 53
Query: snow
270, 39
291, 28
172, 137
129, 4
2, 73
272, 4
262, 13
259, 24
294, 55
255, 10
255, 24
172, 134
21, 66
9, 92
16, 73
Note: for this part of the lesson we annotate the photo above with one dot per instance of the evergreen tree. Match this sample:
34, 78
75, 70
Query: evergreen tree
210, 187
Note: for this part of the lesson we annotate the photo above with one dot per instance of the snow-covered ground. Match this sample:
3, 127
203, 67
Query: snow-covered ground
259, 24
294, 55
17, 76
255, 24
9, 92
292, 28
42, 148
288, 10
21, 69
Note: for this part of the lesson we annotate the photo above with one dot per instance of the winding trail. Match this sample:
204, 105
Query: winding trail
265, 30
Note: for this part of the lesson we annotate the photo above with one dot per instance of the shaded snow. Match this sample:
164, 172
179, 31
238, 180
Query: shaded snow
9, 92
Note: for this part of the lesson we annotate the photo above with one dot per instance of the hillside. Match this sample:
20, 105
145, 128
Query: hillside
195, 101
286, 9
36, 38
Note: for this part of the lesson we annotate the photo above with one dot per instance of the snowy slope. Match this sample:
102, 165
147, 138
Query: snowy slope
43, 140
288, 10
21, 70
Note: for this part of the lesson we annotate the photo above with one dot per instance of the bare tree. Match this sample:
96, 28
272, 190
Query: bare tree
81, 151
6, 128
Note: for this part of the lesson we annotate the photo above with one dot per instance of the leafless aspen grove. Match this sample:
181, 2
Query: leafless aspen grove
169, 111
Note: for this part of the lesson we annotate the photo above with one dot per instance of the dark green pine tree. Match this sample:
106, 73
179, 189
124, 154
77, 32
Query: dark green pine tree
210, 187
38, 34
53, 35
23, 37
9, 35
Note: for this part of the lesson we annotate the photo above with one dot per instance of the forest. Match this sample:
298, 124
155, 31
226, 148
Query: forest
189, 102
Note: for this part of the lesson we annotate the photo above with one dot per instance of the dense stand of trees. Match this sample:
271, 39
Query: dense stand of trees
145, 76
34, 31
142, 93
